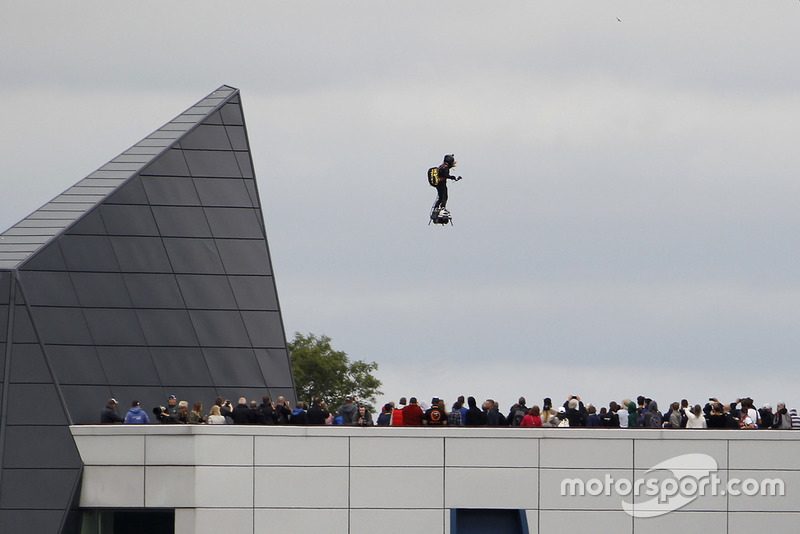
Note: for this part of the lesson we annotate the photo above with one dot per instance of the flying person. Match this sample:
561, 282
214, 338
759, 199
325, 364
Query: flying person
444, 175
437, 177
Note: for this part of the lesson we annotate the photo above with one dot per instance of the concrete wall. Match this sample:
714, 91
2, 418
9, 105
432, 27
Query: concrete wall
407, 480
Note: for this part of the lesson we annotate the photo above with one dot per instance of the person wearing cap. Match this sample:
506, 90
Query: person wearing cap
412, 414
441, 185
109, 414
173, 411
136, 415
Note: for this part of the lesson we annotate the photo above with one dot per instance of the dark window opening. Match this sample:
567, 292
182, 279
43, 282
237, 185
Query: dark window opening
128, 522
479, 521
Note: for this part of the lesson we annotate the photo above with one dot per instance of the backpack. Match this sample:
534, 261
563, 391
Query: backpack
517, 416
433, 176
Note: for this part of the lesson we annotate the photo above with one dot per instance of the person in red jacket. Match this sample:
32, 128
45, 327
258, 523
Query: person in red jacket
412, 414
397, 414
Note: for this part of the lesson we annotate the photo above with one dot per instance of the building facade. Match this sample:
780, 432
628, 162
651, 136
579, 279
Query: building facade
150, 277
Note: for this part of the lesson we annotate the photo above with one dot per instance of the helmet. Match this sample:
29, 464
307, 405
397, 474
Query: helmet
450, 159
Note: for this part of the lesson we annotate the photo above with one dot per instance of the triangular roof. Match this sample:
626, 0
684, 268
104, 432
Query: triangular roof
23, 240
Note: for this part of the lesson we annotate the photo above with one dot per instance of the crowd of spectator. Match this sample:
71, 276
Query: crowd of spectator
641, 413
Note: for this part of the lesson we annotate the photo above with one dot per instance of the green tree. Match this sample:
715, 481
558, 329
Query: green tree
320, 371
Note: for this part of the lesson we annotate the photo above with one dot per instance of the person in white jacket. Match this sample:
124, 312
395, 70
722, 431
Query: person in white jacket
696, 417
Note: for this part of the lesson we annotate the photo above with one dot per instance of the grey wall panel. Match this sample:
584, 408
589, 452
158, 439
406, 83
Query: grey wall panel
254, 292
220, 328
181, 221
234, 223
275, 367
169, 191
39, 446
264, 328
167, 328
207, 137
88, 253
141, 255
48, 288
153, 290
232, 114
128, 220
128, 366
3, 322
234, 367
86, 402
76, 364
101, 290
29, 521
246, 167
110, 326
223, 192
89, 224
28, 364
22, 398
209, 292
237, 137
182, 367
251, 394
62, 326
244, 256
212, 164
130, 193
171, 163
194, 256
5, 285
23, 326
2, 359
47, 259
37, 489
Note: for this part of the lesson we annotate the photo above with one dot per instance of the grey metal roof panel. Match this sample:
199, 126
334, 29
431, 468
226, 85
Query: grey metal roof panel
66, 209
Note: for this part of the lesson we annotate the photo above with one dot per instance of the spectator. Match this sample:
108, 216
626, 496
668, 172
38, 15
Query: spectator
267, 409
454, 417
611, 418
283, 411
795, 419
652, 417
183, 412
348, 411
717, 418
215, 417
299, 415
696, 418
464, 409
575, 412
547, 413
632, 415
136, 416
363, 417
517, 413
241, 413
397, 413
767, 417
532, 418
196, 415
256, 415
745, 421
412, 414
435, 416
782, 419
592, 418
675, 415
172, 407
731, 420
475, 417
385, 418
109, 414
492, 413
317, 415
225, 409
560, 420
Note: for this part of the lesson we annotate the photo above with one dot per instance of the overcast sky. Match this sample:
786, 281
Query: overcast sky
627, 223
